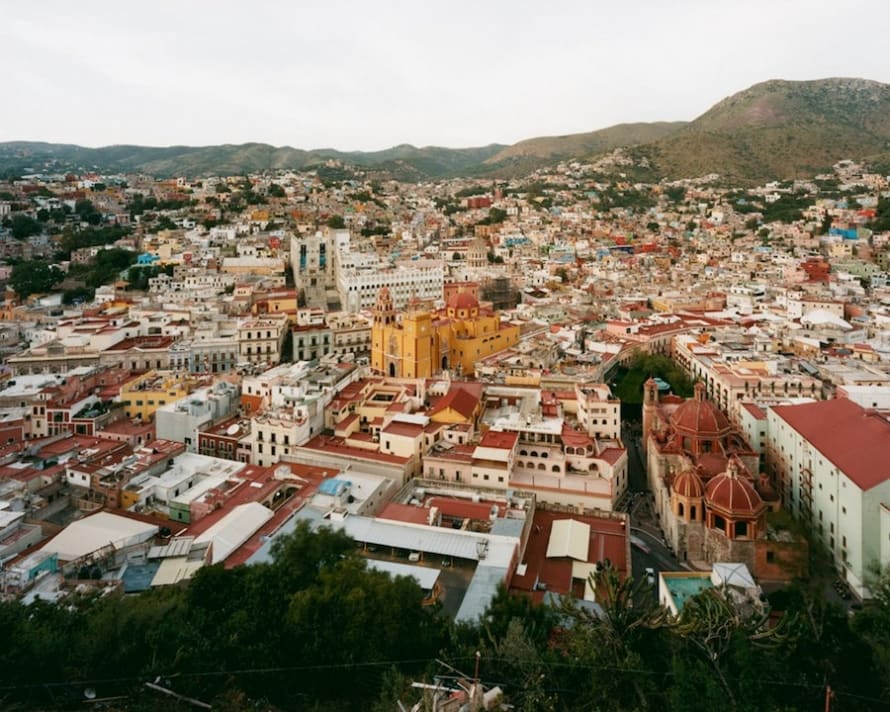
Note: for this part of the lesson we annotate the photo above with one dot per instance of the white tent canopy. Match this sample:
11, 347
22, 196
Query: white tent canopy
569, 537
96, 531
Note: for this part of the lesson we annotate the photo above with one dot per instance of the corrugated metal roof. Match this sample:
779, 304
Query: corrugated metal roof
175, 569
234, 529
178, 546
480, 592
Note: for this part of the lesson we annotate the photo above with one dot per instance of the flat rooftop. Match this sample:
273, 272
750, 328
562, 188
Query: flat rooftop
682, 588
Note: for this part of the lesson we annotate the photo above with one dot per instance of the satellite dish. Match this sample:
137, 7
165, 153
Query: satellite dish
233, 429
90, 693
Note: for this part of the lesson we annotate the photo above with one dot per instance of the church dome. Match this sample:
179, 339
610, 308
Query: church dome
733, 494
463, 300
700, 418
688, 484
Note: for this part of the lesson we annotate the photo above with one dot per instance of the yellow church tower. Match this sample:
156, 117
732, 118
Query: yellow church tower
385, 346
418, 342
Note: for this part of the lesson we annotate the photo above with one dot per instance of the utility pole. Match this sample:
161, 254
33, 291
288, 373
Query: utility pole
829, 695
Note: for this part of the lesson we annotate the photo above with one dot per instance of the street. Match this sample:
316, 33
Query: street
638, 504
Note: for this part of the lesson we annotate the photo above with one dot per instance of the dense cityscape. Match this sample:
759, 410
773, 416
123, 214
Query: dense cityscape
565, 441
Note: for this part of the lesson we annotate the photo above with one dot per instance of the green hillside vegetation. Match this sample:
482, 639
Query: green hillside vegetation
780, 130
585, 145
773, 130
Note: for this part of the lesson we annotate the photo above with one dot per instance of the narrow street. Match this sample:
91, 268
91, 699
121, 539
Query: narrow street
638, 504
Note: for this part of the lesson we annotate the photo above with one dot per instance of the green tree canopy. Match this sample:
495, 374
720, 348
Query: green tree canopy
34, 277
24, 226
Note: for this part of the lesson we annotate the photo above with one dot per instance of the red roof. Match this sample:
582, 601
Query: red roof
462, 508
463, 300
755, 410
461, 397
407, 430
608, 540
504, 440
688, 484
574, 438
405, 513
700, 417
855, 440
733, 494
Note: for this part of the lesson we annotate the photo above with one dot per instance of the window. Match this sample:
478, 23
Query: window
770, 557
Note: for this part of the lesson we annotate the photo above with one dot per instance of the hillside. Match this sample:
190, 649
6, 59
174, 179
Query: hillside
780, 129
403, 162
586, 144
773, 130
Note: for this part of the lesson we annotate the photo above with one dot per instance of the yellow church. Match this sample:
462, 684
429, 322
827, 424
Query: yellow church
423, 343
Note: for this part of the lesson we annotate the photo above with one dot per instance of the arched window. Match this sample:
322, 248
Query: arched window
542, 466
692, 512
555, 468
680, 508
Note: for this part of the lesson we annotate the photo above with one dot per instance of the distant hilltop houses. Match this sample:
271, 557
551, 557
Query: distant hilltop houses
532, 380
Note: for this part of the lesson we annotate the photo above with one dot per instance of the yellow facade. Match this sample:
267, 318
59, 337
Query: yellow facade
145, 394
423, 344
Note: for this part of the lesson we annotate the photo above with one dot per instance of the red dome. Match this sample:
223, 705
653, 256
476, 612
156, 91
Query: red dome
463, 300
688, 484
733, 494
700, 418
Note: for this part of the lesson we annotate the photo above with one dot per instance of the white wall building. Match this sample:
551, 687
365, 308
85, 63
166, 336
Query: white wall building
831, 465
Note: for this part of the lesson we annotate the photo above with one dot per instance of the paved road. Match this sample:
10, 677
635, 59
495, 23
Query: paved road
639, 507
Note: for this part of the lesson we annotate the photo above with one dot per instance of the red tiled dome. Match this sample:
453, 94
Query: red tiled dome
688, 484
700, 418
733, 494
463, 300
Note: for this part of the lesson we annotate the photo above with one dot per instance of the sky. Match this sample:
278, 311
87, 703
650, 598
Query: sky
369, 75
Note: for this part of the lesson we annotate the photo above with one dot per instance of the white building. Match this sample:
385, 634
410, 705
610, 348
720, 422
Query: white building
182, 419
831, 462
421, 279
260, 339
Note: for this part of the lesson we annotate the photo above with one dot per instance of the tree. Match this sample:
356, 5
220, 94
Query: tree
675, 193
276, 191
336, 222
34, 277
87, 212
24, 226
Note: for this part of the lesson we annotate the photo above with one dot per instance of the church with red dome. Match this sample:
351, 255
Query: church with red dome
711, 499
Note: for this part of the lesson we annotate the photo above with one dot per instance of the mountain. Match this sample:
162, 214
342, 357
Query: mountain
773, 130
780, 130
586, 144
404, 162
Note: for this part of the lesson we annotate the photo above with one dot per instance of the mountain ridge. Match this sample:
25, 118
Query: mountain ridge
773, 129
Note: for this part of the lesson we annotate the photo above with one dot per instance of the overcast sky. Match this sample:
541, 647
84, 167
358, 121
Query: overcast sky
368, 75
